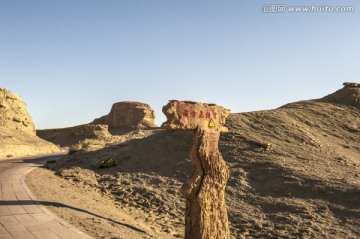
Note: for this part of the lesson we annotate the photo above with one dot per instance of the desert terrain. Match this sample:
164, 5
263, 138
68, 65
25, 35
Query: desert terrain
294, 173
295, 170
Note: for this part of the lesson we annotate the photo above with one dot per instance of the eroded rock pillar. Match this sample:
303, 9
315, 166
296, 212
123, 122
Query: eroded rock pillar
206, 213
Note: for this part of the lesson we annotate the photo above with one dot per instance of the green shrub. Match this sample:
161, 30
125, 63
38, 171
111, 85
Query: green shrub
107, 163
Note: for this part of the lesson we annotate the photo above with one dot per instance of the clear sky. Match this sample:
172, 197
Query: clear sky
71, 60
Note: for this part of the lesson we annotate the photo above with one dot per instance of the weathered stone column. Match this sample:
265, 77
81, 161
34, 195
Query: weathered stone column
206, 214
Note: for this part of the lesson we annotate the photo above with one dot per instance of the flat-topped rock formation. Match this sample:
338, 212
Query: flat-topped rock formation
128, 114
17, 130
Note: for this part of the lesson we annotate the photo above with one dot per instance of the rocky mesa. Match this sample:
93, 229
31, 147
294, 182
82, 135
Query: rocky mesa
128, 114
17, 130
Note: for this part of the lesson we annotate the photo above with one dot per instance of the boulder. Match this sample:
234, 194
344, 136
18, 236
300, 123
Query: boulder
128, 115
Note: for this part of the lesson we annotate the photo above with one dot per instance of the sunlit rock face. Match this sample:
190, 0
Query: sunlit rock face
128, 114
13, 113
17, 130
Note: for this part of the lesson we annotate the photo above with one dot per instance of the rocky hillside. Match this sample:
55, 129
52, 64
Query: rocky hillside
17, 130
72, 135
349, 95
295, 171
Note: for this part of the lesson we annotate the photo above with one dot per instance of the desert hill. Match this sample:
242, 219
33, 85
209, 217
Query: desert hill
295, 171
17, 130
69, 136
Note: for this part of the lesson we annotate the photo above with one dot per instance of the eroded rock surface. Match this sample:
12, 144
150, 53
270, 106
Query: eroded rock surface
13, 114
128, 114
17, 130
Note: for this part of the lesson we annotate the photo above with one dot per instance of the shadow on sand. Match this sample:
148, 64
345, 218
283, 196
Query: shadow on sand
60, 205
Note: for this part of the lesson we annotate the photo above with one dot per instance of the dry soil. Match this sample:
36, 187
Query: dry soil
295, 173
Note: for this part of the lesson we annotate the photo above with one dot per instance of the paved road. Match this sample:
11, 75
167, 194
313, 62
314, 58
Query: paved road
21, 215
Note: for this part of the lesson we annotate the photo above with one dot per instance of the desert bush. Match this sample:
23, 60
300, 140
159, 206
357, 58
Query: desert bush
86, 144
75, 148
92, 142
107, 163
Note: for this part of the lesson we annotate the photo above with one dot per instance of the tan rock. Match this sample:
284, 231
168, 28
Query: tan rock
13, 114
128, 114
17, 130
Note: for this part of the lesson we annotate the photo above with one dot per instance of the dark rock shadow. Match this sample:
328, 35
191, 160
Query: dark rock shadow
38, 160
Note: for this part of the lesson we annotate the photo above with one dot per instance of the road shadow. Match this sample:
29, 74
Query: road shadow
38, 160
61, 205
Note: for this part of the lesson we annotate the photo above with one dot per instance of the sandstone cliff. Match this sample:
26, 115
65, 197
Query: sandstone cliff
17, 130
13, 114
128, 115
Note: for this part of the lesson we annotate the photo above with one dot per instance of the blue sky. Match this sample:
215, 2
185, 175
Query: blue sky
71, 60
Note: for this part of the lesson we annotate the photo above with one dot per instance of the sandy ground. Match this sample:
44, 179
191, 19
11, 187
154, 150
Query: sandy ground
89, 210
16, 144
